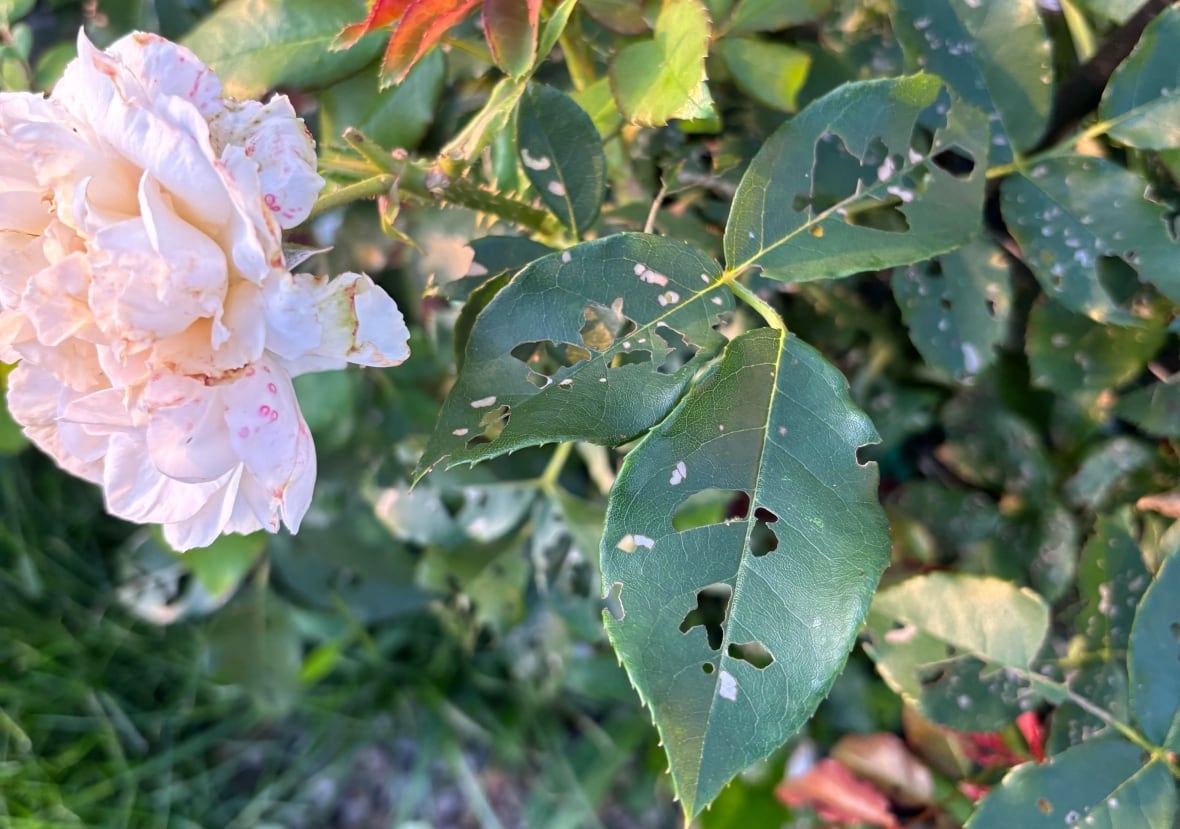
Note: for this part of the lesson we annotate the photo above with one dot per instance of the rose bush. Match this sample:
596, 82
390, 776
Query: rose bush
145, 292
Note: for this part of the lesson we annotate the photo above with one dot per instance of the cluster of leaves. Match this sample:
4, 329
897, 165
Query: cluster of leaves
968, 209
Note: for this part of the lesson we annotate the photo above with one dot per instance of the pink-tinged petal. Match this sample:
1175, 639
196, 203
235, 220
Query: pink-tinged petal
55, 301
34, 398
136, 491
123, 369
197, 266
106, 409
315, 324
73, 362
239, 335
252, 234
279, 143
220, 515
271, 437
186, 435
166, 68
23, 211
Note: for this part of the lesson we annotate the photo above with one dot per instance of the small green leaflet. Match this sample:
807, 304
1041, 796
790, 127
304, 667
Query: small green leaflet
664, 77
773, 15
595, 343
562, 155
1100, 783
1143, 96
732, 632
1155, 409
995, 55
1071, 214
1154, 659
956, 307
857, 182
770, 73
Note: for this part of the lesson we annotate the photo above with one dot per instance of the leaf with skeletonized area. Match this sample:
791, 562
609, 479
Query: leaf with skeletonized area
734, 629
594, 343
872, 175
420, 24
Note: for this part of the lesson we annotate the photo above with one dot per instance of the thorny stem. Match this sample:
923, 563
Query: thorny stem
756, 302
396, 170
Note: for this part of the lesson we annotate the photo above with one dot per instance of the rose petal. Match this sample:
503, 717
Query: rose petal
137, 491
186, 436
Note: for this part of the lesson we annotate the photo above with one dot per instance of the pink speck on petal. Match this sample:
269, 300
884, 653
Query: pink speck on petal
273, 416
272, 202
244, 432
249, 371
264, 411
272, 388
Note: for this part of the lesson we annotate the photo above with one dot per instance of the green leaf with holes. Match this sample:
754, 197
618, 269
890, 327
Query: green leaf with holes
1071, 354
939, 639
1142, 99
854, 182
1154, 659
956, 307
733, 631
562, 156
1085, 226
994, 55
1099, 783
255, 45
595, 343
662, 78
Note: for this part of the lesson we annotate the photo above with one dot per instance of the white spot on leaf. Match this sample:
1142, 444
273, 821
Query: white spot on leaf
728, 686
459, 433
483, 402
565, 256
678, 474
668, 298
541, 163
556, 188
632, 542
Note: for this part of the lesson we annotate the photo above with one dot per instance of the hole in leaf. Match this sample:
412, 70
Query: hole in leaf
1175, 628
710, 612
546, 357
1119, 279
993, 309
753, 652
878, 216
604, 326
492, 423
1045, 806
613, 601
708, 667
452, 501
762, 537
630, 358
682, 351
955, 161
708, 506
944, 303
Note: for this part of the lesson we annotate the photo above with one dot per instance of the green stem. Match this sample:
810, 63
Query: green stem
430, 184
367, 188
548, 480
1079, 30
1067, 146
754, 301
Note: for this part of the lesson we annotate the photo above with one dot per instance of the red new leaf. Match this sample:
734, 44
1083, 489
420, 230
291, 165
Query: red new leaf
381, 13
420, 25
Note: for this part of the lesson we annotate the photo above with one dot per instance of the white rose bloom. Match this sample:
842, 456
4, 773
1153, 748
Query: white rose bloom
144, 291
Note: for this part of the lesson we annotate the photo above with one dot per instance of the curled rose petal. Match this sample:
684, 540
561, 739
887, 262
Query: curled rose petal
144, 290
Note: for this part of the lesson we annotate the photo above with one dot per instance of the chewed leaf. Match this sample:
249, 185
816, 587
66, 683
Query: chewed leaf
1100, 783
733, 631
994, 55
956, 307
595, 343
1143, 96
1076, 218
872, 175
